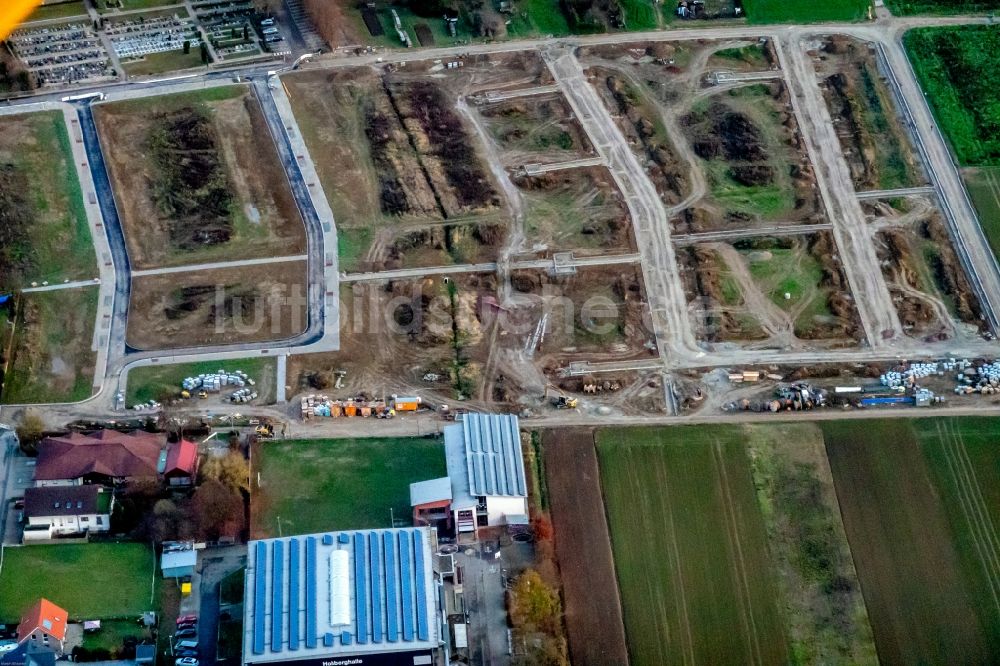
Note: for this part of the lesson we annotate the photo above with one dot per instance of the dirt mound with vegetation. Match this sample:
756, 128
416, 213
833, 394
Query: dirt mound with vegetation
193, 190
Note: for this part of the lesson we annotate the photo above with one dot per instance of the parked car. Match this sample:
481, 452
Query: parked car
187, 618
187, 625
186, 653
188, 632
186, 661
186, 644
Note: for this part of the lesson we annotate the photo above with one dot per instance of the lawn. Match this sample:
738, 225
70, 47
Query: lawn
168, 61
52, 242
690, 548
104, 6
59, 11
91, 581
906, 7
318, 485
156, 382
538, 17
984, 188
805, 11
112, 633
956, 69
53, 359
915, 523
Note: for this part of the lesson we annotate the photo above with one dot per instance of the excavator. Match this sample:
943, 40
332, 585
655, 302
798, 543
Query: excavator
561, 400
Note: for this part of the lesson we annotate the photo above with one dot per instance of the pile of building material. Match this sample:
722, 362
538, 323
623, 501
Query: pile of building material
215, 382
142, 406
909, 375
243, 395
984, 379
324, 406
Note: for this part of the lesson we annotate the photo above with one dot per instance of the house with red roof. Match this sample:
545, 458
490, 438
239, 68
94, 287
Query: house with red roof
44, 626
182, 463
107, 457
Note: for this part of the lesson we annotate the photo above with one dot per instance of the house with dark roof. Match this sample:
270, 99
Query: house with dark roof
107, 457
43, 626
52, 511
486, 484
182, 463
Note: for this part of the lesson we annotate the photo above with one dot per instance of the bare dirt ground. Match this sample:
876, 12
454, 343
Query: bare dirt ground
202, 182
583, 546
538, 129
575, 209
425, 336
247, 304
788, 292
600, 311
929, 287
872, 135
394, 146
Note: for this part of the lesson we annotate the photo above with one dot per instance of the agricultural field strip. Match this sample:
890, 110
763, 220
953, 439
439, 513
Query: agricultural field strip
733, 527
664, 290
857, 253
219, 264
974, 509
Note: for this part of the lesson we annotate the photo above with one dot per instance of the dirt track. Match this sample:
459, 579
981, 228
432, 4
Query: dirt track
583, 546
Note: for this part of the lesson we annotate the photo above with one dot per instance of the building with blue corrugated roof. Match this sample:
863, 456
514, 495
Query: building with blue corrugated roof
485, 486
353, 598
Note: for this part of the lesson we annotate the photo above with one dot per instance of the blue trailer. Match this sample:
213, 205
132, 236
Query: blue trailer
888, 400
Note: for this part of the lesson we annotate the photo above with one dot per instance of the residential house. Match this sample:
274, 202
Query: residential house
182, 464
43, 626
107, 457
52, 511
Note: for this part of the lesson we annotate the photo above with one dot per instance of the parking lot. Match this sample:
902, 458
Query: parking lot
63, 54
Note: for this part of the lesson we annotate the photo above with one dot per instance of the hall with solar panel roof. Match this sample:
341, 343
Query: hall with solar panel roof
350, 598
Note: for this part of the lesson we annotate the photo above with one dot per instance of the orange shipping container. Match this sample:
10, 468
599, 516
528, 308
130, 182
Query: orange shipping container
350, 410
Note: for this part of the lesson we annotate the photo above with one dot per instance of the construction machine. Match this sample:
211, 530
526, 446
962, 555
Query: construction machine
560, 400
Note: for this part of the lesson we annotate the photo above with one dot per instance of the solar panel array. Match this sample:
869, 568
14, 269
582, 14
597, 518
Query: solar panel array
389, 589
493, 455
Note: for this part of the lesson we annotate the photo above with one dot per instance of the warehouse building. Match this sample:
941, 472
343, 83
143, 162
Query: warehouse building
485, 486
355, 598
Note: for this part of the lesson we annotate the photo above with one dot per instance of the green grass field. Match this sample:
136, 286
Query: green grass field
984, 190
91, 581
805, 11
57, 245
53, 356
917, 525
909, 7
131, 5
690, 548
155, 382
955, 68
338, 484
168, 61
62, 10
